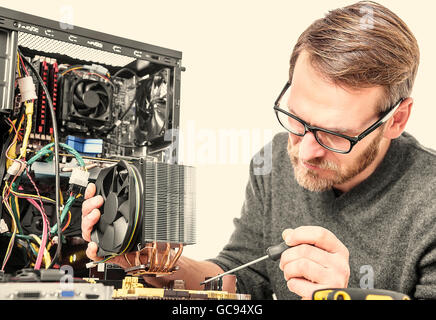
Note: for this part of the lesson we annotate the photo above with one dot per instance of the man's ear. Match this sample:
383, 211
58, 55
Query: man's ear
396, 125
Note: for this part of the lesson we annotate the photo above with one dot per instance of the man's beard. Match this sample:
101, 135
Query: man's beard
310, 179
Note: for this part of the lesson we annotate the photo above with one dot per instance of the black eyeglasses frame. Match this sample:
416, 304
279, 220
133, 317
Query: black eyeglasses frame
385, 116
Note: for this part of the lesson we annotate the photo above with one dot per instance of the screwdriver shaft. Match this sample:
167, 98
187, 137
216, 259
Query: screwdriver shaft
236, 269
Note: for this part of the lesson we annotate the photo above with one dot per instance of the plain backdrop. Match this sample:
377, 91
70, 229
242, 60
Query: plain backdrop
236, 55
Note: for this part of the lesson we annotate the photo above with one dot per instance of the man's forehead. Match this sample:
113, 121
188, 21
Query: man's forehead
313, 90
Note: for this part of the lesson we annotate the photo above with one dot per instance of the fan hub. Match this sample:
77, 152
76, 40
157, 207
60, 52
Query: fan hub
91, 99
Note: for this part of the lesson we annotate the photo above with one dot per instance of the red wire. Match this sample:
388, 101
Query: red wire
24, 67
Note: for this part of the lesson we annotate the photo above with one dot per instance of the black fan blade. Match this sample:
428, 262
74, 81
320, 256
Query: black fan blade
79, 90
124, 210
91, 85
114, 182
156, 125
120, 229
101, 93
110, 209
107, 241
77, 101
99, 111
107, 181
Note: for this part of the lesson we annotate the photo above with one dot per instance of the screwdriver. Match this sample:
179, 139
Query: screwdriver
272, 252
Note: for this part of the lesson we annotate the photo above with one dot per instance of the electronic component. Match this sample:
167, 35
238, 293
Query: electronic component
54, 291
105, 97
50, 284
131, 289
147, 206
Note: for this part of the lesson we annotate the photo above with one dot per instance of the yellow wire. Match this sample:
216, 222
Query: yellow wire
12, 150
14, 225
46, 256
29, 195
70, 70
29, 113
18, 65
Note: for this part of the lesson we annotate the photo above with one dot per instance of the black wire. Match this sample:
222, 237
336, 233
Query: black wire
56, 155
122, 116
125, 69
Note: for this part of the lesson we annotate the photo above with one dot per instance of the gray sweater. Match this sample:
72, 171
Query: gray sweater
387, 222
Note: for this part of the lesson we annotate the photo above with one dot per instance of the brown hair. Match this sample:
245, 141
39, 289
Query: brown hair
362, 45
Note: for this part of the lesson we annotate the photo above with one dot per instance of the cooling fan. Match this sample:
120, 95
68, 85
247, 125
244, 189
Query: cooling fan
86, 103
148, 205
153, 112
91, 99
117, 230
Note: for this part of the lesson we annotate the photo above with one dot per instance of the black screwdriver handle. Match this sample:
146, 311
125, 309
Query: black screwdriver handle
275, 252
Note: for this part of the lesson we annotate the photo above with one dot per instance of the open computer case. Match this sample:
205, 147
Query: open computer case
79, 106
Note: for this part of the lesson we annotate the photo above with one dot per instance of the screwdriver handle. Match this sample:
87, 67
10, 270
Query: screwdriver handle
275, 252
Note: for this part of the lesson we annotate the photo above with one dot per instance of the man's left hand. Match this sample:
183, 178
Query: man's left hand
317, 260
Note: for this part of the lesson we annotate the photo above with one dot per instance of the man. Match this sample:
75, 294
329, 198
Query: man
349, 190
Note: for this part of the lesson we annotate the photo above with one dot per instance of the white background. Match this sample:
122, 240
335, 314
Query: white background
236, 55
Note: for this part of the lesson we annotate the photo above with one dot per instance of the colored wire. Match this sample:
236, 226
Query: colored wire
29, 113
56, 151
65, 211
31, 196
68, 222
22, 63
14, 231
18, 65
44, 251
44, 234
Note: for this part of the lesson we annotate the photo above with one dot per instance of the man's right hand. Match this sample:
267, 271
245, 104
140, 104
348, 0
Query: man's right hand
90, 216
193, 272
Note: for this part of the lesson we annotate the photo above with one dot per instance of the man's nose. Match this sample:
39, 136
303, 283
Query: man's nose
310, 148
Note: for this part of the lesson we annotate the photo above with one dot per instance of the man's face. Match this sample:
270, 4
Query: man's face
322, 104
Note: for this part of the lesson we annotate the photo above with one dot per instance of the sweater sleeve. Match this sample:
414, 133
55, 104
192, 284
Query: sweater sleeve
247, 241
426, 267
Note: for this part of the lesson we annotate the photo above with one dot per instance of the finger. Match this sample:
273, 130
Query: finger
305, 268
310, 252
90, 190
90, 204
317, 236
88, 223
91, 252
304, 288
286, 233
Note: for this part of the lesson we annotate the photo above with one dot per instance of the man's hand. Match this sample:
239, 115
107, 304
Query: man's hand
90, 216
317, 260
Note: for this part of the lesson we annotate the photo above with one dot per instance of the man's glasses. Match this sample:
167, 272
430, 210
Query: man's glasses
328, 139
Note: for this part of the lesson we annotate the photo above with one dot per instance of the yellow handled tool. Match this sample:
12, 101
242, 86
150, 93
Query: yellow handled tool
358, 294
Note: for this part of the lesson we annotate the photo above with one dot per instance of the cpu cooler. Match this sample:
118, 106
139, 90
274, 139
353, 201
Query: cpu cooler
146, 204
119, 186
86, 101
91, 99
